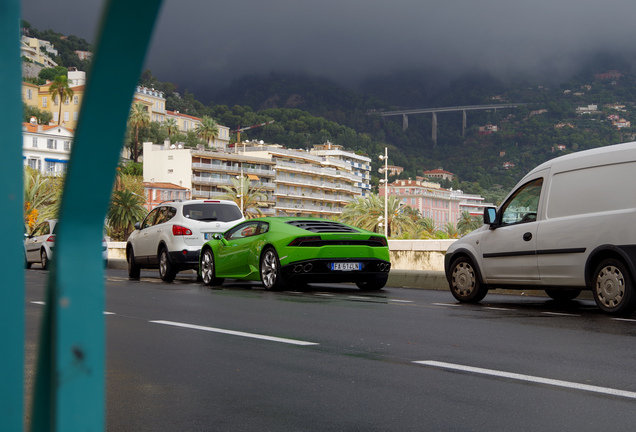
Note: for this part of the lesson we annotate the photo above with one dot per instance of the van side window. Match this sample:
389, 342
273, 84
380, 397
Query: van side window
523, 205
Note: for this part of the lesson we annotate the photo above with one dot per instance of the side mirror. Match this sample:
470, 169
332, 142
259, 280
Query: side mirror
137, 226
217, 236
490, 215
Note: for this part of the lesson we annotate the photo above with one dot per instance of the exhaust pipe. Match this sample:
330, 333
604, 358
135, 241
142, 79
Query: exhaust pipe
308, 267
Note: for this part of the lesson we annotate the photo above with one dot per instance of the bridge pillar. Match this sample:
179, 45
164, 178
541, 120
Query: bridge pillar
434, 133
463, 123
405, 122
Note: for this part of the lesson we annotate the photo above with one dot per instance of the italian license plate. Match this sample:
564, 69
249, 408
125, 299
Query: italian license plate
208, 236
345, 266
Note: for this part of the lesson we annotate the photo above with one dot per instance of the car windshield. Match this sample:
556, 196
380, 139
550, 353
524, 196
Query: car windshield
211, 212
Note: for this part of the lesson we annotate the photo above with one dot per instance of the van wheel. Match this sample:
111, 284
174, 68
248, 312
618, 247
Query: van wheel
563, 295
464, 281
613, 288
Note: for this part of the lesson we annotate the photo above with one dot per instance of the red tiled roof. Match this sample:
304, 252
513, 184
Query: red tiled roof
158, 185
437, 171
174, 113
34, 128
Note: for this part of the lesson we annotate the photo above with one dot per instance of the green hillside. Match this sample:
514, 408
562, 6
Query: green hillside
309, 110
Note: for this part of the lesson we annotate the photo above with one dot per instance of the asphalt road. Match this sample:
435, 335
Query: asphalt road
183, 357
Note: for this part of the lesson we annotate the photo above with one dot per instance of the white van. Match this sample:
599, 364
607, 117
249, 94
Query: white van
568, 225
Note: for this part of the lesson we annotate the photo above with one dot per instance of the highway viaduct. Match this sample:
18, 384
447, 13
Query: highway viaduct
434, 111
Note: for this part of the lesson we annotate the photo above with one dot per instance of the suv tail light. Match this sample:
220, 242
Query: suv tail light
178, 230
51, 238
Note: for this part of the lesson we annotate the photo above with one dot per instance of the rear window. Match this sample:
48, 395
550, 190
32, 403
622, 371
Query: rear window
212, 212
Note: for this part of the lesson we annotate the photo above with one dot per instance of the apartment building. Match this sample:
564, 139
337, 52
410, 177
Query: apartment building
153, 100
39, 51
46, 148
360, 165
203, 172
308, 184
430, 199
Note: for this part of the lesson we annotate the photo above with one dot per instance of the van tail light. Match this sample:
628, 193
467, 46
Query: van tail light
51, 238
178, 230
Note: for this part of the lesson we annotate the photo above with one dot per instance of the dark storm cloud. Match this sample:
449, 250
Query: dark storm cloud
202, 44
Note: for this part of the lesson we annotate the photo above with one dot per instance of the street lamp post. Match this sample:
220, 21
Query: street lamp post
385, 170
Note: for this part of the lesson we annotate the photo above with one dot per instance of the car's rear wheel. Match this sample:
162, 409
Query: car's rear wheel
375, 284
208, 271
167, 272
613, 288
563, 295
44, 259
271, 274
464, 282
27, 264
133, 269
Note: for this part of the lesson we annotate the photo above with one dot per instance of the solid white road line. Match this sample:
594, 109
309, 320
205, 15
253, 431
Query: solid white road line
530, 378
235, 333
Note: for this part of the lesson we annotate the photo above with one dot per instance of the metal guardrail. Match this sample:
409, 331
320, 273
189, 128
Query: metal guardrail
69, 391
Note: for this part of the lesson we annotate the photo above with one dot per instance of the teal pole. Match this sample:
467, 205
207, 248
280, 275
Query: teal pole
69, 390
12, 194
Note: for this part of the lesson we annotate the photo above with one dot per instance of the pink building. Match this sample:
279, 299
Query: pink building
433, 202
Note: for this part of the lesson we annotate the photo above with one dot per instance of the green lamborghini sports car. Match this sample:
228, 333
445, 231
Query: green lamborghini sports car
289, 252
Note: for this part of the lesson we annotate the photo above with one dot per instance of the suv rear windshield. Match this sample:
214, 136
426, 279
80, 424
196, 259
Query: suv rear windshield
212, 212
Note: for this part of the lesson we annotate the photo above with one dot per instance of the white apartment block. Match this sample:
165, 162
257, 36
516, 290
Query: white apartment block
203, 172
296, 182
308, 184
46, 148
36, 50
360, 165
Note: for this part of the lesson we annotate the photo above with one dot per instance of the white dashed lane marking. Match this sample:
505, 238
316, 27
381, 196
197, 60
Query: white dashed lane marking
530, 378
235, 333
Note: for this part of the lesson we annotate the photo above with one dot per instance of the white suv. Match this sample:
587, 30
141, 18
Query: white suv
172, 234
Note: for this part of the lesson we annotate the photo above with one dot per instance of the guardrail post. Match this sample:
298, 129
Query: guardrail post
11, 253
69, 390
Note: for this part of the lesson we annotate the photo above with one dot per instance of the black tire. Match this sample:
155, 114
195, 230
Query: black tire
208, 270
167, 272
44, 259
134, 271
271, 274
27, 265
375, 284
563, 295
464, 281
613, 288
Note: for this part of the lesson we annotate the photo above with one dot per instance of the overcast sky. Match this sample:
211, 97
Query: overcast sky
202, 44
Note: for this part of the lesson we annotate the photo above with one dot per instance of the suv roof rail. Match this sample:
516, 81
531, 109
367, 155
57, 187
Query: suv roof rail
172, 200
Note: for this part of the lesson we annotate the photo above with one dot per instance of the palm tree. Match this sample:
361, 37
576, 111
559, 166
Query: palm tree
60, 89
367, 213
138, 118
171, 126
468, 223
425, 228
208, 129
451, 231
41, 197
253, 196
126, 208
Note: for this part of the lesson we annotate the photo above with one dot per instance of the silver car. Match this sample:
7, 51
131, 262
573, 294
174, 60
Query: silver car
171, 235
39, 245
